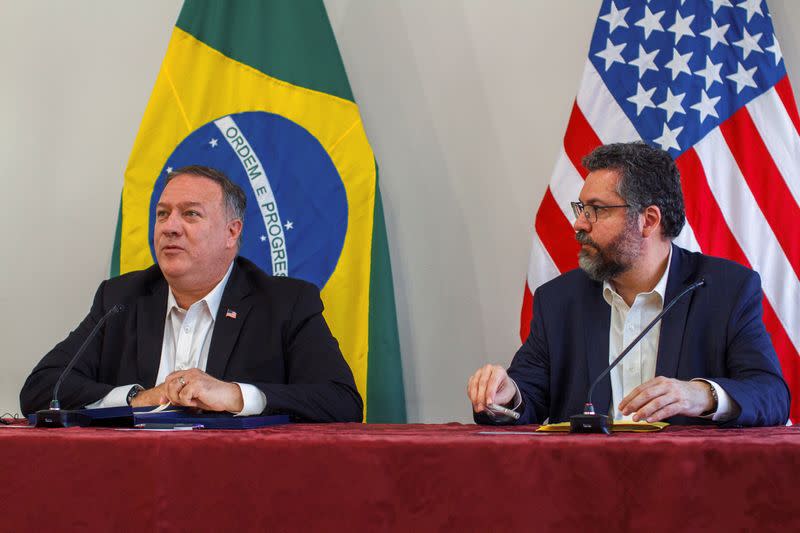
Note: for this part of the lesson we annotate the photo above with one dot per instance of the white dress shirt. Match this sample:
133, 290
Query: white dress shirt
187, 338
639, 365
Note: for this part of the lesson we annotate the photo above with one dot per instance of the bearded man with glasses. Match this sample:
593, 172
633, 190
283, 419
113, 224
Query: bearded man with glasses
710, 361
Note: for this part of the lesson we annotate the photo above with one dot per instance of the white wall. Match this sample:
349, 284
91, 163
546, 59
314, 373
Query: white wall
465, 104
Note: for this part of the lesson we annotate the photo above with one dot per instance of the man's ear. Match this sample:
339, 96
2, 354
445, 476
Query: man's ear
652, 221
234, 231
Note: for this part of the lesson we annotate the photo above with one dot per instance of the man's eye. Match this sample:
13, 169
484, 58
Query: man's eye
191, 213
161, 214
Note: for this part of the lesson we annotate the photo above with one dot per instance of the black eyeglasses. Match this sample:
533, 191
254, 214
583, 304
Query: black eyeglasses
590, 211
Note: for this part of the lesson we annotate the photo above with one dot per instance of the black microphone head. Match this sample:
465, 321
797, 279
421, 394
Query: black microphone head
118, 308
702, 281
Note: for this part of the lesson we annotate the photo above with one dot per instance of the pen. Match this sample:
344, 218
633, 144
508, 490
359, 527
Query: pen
150, 425
500, 410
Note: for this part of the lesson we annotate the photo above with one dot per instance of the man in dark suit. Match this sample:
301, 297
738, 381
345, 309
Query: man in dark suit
203, 327
709, 361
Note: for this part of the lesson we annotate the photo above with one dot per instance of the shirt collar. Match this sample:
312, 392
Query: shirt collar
212, 299
609, 293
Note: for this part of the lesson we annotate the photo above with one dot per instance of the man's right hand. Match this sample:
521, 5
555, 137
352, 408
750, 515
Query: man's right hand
155, 396
490, 384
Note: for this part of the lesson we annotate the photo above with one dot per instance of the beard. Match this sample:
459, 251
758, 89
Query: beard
607, 262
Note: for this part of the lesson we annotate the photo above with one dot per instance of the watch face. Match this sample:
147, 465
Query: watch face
136, 389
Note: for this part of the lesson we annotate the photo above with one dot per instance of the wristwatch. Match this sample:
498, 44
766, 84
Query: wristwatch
136, 389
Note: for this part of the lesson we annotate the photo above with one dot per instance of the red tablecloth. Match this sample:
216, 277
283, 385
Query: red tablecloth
399, 478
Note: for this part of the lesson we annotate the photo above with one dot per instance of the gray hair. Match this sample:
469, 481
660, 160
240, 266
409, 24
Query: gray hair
232, 195
648, 176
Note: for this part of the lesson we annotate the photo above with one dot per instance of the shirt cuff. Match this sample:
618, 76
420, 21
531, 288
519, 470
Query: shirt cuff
727, 408
117, 397
255, 401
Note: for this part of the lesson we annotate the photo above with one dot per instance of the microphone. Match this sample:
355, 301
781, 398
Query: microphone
589, 421
55, 417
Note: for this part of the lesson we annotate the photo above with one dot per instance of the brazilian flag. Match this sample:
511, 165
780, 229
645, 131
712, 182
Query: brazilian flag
258, 90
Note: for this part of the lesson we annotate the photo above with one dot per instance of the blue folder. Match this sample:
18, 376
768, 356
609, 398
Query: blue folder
128, 417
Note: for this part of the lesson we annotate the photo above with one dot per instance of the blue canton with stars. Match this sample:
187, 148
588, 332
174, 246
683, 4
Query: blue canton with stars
679, 69
308, 190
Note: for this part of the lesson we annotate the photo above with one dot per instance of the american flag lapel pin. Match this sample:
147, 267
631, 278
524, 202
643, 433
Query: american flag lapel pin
230, 313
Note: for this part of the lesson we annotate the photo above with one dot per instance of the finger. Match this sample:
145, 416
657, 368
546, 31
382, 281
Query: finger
494, 384
471, 388
665, 412
473, 394
187, 394
173, 389
483, 383
636, 401
653, 405
634, 393
658, 381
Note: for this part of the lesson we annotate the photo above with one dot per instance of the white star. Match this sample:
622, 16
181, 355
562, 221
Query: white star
719, 3
743, 78
775, 49
672, 104
710, 73
716, 34
263, 238
213, 143
615, 18
669, 138
681, 27
169, 170
646, 60
289, 225
650, 22
642, 98
749, 43
612, 54
706, 106
752, 7
679, 63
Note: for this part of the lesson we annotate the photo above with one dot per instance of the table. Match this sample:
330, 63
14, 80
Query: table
354, 477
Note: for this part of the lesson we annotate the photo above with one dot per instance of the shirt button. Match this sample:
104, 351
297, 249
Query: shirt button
187, 329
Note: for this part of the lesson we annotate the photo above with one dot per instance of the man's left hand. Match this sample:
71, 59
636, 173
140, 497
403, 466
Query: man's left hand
195, 388
662, 398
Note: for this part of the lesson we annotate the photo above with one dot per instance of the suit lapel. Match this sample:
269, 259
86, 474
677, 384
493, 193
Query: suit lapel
150, 313
674, 322
596, 327
233, 310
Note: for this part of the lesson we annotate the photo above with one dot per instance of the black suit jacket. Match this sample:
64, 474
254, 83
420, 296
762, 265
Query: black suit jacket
716, 332
279, 342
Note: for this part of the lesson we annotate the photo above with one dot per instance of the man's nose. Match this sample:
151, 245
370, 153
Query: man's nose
171, 224
581, 224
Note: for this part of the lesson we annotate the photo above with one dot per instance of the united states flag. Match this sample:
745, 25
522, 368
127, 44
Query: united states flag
705, 80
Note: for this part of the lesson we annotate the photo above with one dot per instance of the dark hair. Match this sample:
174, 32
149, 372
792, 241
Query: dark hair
648, 176
232, 195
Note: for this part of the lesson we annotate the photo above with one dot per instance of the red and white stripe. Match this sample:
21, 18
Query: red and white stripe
742, 195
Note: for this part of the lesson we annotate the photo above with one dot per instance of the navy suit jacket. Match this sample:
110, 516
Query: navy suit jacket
716, 332
278, 341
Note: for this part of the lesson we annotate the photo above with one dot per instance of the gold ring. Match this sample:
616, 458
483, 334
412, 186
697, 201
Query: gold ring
181, 380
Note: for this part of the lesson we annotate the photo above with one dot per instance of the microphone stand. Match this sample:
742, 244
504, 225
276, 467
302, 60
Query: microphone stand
591, 422
55, 417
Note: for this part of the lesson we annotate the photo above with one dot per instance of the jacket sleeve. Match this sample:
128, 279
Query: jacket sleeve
80, 387
754, 378
319, 383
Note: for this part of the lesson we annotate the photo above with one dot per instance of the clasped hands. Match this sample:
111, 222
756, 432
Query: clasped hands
193, 388
652, 401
